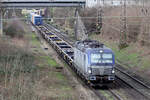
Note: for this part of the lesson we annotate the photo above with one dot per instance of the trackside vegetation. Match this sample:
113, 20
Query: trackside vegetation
27, 72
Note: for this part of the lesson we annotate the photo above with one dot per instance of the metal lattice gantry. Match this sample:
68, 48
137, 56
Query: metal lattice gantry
20, 4
42, 3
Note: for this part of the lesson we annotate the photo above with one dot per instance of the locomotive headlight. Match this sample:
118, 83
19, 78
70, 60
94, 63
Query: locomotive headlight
89, 71
101, 51
113, 71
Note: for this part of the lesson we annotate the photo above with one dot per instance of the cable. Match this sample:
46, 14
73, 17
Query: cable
117, 29
104, 17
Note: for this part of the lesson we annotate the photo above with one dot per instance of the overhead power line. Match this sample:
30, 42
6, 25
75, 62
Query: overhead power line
104, 17
117, 29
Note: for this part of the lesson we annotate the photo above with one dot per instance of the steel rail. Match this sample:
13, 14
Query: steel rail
135, 79
137, 90
123, 72
134, 83
115, 95
94, 90
59, 33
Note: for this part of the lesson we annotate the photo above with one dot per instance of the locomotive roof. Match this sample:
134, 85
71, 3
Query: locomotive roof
82, 45
33, 14
36, 15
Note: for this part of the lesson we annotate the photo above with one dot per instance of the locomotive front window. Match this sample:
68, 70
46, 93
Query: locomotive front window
107, 56
101, 58
96, 58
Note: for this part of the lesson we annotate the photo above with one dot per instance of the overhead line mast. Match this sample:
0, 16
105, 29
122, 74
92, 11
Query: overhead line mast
123, 30
145, 29
99, 18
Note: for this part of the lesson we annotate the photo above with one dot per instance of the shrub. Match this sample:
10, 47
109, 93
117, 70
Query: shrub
15, 60
14, 29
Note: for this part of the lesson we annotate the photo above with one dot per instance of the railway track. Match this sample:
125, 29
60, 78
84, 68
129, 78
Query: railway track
59, 33
118, 97
134, 83
63, 35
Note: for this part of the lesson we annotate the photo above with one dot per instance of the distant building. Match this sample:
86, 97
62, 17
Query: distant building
93, 3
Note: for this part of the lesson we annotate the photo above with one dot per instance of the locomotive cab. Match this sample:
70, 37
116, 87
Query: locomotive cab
100, 65
94, 61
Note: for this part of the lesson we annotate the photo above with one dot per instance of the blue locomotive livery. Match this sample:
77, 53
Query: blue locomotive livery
94, 61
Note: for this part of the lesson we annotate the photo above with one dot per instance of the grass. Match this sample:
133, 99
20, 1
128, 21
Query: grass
66, 88
16, 61
108, 97
37, 75
146, 64
125, 57
60, 76
58, 81
17, 72
21, 73
35, 40
50, 61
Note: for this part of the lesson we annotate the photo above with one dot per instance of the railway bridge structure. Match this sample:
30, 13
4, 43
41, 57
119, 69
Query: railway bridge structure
20, 4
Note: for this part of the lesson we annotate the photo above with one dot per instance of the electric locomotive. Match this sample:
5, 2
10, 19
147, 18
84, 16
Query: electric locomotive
94, 61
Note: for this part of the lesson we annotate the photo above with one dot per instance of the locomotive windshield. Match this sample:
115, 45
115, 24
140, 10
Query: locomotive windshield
96, 58
101, 58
